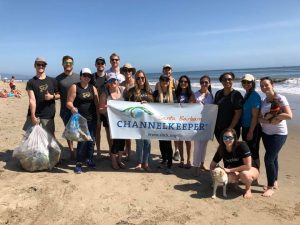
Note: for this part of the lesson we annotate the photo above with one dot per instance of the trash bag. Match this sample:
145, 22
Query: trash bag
77, 129
38, 150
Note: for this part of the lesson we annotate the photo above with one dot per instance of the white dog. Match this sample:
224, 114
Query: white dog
219, 177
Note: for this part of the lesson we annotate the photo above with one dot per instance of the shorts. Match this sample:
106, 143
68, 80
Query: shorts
104, 120
117, 145
47, 124
65, 115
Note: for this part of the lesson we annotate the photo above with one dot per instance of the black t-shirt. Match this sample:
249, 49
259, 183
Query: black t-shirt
44, 109
144, 96
232, 161
98, 82
227, 104
156, 97
84, 102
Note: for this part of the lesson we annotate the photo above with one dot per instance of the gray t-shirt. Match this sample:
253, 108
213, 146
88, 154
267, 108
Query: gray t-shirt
64, 82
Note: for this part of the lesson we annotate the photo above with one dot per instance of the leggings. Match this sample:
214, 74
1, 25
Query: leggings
254, 143
166, 152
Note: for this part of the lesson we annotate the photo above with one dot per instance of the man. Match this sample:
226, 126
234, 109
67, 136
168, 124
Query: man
42, 92
98, 80
64, 81
115, 68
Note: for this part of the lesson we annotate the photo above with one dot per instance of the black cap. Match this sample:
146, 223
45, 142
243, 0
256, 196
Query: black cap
100, 59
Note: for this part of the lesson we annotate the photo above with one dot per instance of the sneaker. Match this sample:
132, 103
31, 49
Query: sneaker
91, 164
162, 165
176, 155
78, 169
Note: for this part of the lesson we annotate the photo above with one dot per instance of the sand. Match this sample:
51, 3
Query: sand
104, 196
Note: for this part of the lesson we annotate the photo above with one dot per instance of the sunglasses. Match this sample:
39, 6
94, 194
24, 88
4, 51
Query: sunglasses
127, 70
86, 75
246, 82
204, 82
114, 60
227, 79
40, 65
228, 138
100, 63
140, 78
111, 81
68, 63
183, 81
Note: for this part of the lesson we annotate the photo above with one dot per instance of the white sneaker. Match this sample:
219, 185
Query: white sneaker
176, 156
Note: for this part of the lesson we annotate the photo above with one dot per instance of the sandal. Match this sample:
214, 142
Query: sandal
181, 164
121, 165
188, 165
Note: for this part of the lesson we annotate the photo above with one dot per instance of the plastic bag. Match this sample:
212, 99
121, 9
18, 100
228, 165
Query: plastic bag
38, 150
77, 129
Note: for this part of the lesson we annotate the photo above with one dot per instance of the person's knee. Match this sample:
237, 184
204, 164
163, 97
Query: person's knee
246, 177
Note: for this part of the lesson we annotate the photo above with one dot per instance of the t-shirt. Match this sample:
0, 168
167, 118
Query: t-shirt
230, 160
183, 98
271, 129
156, 97
144, 96
44, 109
253, 101
203, 98
98, 82
227, 104
63, 83
84, 102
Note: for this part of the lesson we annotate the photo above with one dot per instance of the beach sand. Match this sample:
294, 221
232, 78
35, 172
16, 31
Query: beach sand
104, 196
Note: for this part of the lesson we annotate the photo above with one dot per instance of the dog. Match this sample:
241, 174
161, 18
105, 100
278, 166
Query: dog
219, 176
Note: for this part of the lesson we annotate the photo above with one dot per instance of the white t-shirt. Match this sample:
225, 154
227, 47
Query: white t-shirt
203, 98
271, 129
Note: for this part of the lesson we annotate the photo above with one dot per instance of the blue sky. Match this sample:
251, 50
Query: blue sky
189, 35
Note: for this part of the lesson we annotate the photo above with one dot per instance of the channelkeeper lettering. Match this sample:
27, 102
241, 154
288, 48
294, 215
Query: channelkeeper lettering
162, 125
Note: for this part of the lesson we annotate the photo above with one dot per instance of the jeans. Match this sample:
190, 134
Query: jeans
273, 144
166, 152
143, 148
85, 149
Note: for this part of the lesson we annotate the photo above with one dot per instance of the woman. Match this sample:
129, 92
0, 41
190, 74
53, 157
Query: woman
184, 94
128, 70
164, 94
83, 98
251, 129
230, 105
141, 92
237, 160
274, 130
202, 96
113, 91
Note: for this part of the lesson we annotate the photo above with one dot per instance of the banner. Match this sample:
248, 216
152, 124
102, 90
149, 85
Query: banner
163, 121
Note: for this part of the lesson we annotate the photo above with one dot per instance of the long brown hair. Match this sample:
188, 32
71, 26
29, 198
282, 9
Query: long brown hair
137, 90
222, 147
169, 94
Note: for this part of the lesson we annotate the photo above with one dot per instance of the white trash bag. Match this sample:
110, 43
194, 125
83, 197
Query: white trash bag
38, 150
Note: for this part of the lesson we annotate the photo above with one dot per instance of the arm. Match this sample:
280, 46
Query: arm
285, 115
103, 103
213, 165
96, 101
70, 99
236, 118
192, 99
32, 107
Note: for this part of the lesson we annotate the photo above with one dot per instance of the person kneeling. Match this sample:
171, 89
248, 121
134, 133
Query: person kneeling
237, 160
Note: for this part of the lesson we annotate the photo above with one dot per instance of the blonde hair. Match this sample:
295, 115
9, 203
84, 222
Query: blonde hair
169, 94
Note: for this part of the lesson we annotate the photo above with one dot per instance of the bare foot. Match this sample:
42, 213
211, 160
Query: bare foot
203, 168
268, 193
247, 194
147, 169
275, 187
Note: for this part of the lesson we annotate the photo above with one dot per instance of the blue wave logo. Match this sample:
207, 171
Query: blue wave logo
136, 112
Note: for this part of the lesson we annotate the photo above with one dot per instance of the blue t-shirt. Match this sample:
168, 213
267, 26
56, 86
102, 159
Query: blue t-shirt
254, 101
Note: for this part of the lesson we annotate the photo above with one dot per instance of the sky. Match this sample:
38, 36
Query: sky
189, 35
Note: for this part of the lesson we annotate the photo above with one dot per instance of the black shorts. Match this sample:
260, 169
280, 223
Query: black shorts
104, 120
117, 146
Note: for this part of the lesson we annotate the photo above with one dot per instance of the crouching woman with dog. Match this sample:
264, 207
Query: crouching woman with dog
237, 160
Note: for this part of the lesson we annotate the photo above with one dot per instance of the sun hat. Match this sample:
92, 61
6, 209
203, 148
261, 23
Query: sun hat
127, 66
167, 66
164, 77
100, 59
40, 59
85, 70
248, 77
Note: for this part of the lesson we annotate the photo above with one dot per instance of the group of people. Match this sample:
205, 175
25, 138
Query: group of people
88, 93
14, 92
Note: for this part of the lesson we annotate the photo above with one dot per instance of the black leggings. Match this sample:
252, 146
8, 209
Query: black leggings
166, 152
254, 143
117, 145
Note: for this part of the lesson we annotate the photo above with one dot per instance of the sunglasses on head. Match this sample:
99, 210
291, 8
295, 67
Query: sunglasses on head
86, 75
228, 138
204, 82
246, 82
40, 65
140, 78
113, 80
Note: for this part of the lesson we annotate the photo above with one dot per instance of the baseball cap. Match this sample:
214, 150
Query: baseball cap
100, 59
111, 76
167, 66
85, 70
40, 59
248, 77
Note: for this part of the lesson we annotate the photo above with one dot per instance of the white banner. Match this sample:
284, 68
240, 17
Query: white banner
174, 121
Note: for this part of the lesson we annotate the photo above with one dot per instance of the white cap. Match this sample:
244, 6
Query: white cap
85, 70
118, 77
248, 77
